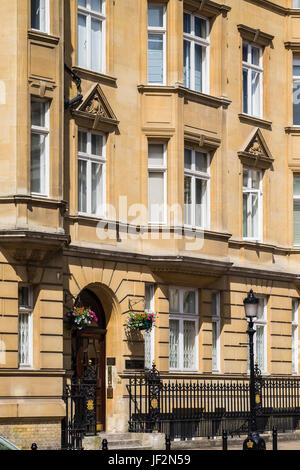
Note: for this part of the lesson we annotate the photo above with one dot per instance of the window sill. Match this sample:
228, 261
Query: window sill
188, 94
95, 76
292, 129
42, 36
255, 121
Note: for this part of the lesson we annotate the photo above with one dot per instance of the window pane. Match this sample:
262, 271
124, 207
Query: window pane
155, 16
96, 5
155, 155
35, 14
155, 58
189, 302
187, 64
37, 163
296, 223
261, 308
255, 179
245, 91
245, 215
82, 142
97, 187
260, 346
174, 300
200, 189
97, 144
38, 112
214, 346
82, 186
186, 23
95, 45
24, 299
245, 177
188, 200
24, 351
201, 162
174, 344
156, 197
296, 3
215, 304
198, 67
296, 66
255, 90
296, 185
82, 41
200, 27
82, 3
149, 291
189, 344
245, 52
188, 159
296, 103
254, 55
254, 215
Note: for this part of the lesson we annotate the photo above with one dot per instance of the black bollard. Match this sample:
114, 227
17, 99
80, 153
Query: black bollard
168, 442
275, 438
104, 444
33, 446
224, 439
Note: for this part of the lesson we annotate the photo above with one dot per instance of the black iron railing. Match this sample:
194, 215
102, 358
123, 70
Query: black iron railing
201, 408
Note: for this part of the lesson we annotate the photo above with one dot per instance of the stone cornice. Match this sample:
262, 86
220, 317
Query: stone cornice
292, 130
206, 8
272, 6
293, 46
39, 36
255, 35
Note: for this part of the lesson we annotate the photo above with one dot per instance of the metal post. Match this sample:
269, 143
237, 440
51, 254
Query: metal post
168, 442
224, 439
104, 444
253, 441
275, 438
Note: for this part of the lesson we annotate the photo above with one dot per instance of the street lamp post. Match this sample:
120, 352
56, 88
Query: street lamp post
253, 441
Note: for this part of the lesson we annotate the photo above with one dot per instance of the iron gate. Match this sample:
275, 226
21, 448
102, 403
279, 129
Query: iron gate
81, 418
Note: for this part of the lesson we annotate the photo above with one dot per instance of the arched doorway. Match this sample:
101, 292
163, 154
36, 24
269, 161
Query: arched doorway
88, 348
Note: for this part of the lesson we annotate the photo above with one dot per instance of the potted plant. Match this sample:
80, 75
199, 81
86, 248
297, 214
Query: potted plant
81, 317
140, 321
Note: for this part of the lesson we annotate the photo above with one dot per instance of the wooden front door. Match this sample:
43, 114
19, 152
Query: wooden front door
90, 349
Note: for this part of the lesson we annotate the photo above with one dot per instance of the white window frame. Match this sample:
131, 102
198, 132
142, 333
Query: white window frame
99, 16
247, 65
216, 321
181, 317
46, 18
89, 158
250, 191
261, 322
295, 336
156, 30
149, 335
163, 170
204, 43
26, 310
45, 131
296, 80
204, 177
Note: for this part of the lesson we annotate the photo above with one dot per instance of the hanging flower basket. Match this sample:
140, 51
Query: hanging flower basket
81, 317
140, 321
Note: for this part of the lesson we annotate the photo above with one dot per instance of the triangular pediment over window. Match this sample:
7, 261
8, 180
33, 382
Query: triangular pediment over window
256, 152
95, 111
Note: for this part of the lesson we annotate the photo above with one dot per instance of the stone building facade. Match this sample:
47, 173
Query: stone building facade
146, 164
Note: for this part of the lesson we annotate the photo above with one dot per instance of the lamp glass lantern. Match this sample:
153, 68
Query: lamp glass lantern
251, 305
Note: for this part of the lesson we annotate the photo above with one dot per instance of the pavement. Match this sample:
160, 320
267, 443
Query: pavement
285, 441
